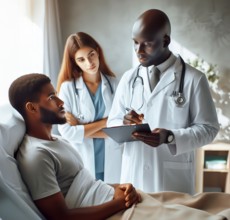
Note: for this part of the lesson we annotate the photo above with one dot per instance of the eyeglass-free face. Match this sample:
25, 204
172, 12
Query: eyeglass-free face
88, 60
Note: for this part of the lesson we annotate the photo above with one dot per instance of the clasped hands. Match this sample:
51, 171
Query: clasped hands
127, 193
154, 138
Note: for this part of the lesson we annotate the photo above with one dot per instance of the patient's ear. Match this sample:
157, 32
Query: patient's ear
31, 107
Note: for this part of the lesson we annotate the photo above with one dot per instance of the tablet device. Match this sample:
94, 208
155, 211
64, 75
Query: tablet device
123, 133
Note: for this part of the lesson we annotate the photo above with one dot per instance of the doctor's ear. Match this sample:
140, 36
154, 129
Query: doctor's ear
167, 40
31, 107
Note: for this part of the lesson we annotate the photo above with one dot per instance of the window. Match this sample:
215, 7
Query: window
21, 41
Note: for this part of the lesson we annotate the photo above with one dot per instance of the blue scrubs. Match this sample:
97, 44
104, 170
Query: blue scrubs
99, 143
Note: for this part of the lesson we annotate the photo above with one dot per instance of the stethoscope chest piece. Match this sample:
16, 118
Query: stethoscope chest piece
179, 96
179, 99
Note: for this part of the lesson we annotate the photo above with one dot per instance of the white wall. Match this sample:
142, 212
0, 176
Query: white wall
201, 26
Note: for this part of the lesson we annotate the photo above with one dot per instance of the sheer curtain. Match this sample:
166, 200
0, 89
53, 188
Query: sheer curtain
52, 40
29, 40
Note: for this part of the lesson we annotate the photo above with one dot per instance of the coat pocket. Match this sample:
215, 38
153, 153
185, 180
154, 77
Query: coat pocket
178, 176
179, 115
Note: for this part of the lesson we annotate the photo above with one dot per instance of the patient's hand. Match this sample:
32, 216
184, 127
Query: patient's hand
119, 195
130, 194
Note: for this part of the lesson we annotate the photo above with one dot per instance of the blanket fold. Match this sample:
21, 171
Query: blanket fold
175, 206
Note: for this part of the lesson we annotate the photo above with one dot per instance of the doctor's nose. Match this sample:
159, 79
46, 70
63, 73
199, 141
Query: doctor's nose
139, 48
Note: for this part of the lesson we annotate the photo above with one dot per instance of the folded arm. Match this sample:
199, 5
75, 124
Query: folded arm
54, 207
92, 129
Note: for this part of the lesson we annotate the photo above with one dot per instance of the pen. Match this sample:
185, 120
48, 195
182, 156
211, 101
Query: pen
141, 116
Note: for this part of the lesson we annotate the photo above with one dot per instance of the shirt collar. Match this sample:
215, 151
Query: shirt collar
166, 64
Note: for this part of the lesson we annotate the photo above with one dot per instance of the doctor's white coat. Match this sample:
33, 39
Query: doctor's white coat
75, 134
167, 167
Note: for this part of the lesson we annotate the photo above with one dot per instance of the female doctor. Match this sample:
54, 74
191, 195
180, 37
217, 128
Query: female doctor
87, 85
180, 120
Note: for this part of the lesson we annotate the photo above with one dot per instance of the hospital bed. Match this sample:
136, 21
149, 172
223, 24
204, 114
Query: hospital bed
16, 203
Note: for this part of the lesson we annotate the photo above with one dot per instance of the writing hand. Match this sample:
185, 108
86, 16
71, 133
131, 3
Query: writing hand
132, 118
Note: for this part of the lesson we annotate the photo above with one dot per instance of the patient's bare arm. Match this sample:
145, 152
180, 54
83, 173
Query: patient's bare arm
54, 206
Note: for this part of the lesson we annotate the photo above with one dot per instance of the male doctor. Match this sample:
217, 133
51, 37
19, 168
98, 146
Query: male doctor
164, 159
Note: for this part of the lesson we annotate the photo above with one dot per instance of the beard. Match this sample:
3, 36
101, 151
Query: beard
50, 117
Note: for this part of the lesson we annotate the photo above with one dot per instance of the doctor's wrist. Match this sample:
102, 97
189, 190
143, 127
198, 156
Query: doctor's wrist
169, 137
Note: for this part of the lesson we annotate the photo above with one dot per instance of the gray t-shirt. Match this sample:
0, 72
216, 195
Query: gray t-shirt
48, 167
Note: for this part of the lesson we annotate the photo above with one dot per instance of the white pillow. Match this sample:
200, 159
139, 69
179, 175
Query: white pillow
12, 178
12, 129
12, 206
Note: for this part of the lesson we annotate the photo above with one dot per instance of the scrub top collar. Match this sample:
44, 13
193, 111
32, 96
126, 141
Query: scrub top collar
79, 82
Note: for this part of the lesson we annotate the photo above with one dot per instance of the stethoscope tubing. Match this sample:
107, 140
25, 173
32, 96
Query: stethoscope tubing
180, 99
110, 86
80, 115
181, 87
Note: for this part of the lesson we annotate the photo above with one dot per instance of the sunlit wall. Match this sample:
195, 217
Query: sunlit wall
198, 27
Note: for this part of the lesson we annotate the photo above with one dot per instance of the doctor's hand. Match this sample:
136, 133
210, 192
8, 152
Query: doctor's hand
70, 119
155, 138
133, 118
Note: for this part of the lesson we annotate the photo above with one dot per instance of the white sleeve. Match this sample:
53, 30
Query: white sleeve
118, 111
204, 123
71, 133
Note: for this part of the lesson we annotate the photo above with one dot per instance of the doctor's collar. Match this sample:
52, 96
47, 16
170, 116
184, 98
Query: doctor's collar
167, 63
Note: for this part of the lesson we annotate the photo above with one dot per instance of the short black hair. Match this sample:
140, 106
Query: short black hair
26, 89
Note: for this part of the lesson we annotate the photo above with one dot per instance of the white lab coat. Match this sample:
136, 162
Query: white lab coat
167, 167
75, 134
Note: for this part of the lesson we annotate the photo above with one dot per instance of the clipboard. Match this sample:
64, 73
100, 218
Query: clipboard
123, 133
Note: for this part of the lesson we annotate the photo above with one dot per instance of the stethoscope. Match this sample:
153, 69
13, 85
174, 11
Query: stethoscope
178, 96
79, 115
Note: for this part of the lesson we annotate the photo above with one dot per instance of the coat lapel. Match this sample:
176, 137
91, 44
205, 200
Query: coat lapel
106, 93
86, 101
168, 77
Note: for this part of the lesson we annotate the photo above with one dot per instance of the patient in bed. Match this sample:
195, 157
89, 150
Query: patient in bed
52, 169
62, 188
